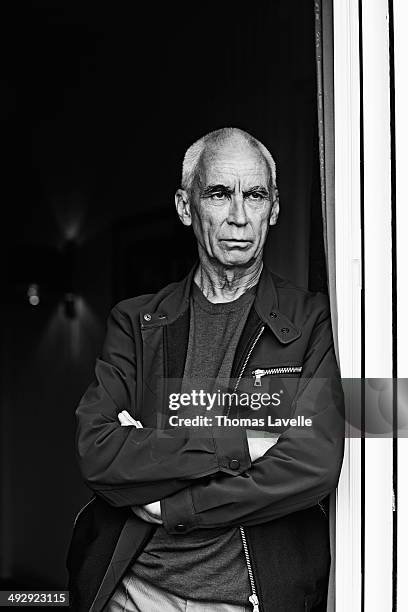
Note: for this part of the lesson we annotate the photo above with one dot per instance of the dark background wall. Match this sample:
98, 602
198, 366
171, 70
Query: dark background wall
111, 95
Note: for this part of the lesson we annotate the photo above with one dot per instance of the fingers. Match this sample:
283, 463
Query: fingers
123, 419
126, 420
128, 417
149, 518
154, 509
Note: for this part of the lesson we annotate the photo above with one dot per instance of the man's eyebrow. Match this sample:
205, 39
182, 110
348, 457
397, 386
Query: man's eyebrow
216, 188
259, 188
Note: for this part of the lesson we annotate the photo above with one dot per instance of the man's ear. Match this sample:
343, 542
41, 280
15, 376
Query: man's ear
275, 208
183, 206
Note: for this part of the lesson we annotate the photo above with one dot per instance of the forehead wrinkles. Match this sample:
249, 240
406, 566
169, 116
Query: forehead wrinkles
230, 175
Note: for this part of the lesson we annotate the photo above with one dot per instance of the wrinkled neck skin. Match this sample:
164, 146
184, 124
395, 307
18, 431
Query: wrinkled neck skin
225, 284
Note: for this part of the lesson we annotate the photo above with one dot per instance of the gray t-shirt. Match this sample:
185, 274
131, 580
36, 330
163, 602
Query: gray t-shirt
205, 564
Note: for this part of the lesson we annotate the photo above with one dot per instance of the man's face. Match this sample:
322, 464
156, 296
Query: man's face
231, 204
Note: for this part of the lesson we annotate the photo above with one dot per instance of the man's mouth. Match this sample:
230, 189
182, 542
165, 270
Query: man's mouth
237, 243
236, 240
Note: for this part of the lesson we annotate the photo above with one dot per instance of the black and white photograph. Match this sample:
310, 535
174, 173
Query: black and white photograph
204, 374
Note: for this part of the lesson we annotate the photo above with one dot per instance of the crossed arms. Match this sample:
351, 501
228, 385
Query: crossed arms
192, 477
151, 513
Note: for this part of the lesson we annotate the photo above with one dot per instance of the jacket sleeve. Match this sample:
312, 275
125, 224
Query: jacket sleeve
128, 466
296, 473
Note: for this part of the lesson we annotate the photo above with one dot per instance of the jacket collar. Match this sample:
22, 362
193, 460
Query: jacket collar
175, 303
267, 307
169, 304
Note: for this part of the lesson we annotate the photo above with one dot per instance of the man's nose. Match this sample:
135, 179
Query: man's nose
237, 214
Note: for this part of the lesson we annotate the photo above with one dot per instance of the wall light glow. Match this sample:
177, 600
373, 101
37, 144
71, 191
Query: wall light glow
33, 294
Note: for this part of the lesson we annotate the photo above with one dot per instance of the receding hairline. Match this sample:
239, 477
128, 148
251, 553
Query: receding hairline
215, 140
211, 148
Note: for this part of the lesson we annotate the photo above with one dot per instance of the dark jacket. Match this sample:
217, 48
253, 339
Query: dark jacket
278, 501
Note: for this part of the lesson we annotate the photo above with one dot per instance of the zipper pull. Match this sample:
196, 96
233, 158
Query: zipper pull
257, 374
255, 602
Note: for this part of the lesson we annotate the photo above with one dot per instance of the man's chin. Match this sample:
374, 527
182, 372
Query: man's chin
236, 260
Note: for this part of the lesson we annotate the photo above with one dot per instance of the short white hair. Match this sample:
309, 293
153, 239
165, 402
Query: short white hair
193, 154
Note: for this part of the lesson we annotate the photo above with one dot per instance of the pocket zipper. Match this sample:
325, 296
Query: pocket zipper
257, 374
253, 598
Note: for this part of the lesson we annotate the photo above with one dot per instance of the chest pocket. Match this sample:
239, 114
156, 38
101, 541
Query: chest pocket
270, 389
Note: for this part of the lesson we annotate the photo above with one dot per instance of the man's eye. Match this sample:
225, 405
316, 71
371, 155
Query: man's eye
218, 195
256, 196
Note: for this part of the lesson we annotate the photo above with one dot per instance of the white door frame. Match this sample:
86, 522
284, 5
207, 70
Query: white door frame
348, 290
363, 191
401, 224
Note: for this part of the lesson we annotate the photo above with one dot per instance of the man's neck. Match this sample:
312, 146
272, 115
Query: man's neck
220, 284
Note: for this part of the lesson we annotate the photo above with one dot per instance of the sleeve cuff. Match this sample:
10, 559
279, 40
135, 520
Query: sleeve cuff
232, 450
231, 444
177, 513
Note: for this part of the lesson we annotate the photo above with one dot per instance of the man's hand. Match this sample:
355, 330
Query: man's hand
126, 420
151, 513
259, 442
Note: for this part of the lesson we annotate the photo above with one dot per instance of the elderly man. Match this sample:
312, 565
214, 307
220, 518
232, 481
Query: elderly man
218, 518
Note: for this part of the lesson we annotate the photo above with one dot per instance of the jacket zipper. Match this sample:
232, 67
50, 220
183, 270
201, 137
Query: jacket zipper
257, 374
253, 598
259, 334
